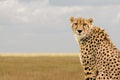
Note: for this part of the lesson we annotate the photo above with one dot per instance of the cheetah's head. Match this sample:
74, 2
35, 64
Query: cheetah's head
81, 27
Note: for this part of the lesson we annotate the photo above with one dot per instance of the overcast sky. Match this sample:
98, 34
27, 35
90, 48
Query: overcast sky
44, 26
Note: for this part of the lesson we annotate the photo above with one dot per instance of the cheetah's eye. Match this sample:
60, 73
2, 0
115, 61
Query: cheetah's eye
84, 24
75, 24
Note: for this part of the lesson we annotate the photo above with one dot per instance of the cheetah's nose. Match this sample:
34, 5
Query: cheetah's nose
79, 31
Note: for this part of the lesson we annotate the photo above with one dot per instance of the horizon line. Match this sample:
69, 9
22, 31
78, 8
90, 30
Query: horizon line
36, 54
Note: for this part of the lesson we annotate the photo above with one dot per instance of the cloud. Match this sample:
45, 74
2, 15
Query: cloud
39, 11
29, 27
84, 2
35, 25
42, 13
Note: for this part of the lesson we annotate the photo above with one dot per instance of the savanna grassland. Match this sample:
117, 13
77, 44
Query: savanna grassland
41, 67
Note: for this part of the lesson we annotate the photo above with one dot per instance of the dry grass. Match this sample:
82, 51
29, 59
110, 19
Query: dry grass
40, 68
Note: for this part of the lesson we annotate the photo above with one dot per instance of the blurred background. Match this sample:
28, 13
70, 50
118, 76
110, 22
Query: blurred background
44, 26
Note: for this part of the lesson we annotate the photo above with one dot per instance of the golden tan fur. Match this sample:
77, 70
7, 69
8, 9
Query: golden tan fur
99, 56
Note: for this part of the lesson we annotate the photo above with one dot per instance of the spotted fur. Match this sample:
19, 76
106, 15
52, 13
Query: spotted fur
99, 56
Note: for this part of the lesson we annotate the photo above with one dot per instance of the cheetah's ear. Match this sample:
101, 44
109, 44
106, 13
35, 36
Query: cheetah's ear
71, 19
90, 20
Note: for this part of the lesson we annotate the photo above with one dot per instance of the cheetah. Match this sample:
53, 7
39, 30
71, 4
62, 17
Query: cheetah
98, 55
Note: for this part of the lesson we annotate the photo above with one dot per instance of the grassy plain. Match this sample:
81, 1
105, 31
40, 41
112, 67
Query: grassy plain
40, 67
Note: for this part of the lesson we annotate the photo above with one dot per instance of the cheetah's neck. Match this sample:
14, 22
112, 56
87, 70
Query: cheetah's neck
97, 36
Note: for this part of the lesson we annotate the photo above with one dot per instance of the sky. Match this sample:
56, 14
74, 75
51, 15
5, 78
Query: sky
44, 25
